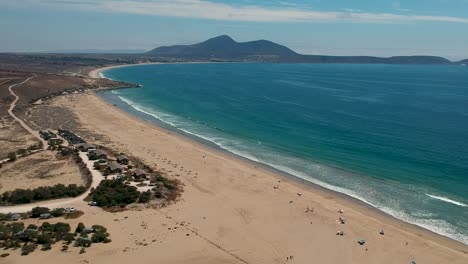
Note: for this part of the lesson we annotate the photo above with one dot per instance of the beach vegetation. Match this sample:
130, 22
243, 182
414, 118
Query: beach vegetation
114, 192
14, 236
79, 228
11, 156
57, 212
23, 196
37, 211
145, 197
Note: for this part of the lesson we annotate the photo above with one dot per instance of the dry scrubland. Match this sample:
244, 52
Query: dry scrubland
40, 169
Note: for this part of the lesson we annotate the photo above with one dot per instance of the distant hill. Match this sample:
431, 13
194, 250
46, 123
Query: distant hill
95, 51
464, 62
224, 48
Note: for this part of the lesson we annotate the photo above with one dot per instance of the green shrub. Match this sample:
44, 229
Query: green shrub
144, 197
114, 193
22, 196
37, 211
57, 212
99, 237
79, 228
11, 156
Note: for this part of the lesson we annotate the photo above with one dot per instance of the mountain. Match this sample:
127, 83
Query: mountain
463, 62
224, 48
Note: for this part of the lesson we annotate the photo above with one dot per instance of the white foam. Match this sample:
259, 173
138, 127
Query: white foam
445, 199
102, 76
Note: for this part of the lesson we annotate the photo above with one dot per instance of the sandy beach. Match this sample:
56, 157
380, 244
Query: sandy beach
233, 211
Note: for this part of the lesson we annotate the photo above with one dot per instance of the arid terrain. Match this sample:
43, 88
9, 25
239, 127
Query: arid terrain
40, 169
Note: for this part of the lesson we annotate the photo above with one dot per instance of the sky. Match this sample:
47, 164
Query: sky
331, 27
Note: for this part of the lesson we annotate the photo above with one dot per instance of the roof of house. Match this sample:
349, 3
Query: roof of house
139, 172
114, 166
86, 146
101, 152
122, 157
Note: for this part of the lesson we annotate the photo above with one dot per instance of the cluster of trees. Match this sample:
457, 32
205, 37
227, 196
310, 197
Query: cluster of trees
12, 156
114, 192
15, 235
22, 196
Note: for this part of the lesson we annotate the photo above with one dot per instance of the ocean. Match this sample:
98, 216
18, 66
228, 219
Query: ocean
392, 136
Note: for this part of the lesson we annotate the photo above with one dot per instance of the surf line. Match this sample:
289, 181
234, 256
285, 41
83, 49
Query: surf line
445, 199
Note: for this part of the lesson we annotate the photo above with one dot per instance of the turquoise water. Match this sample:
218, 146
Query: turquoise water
395, 137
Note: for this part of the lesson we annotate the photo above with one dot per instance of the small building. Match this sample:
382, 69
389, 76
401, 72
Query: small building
45, 216
84, 147
15, 217
101, 154
139, 174
55, 141
114, 167
122, 159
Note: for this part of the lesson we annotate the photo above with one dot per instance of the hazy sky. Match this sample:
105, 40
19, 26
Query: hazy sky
336, 27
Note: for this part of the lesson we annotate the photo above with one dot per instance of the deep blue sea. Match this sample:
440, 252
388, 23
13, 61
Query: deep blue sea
393, 136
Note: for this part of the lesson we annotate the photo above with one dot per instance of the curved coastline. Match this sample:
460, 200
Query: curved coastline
346, 198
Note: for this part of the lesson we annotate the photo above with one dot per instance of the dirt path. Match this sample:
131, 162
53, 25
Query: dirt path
97, 176
22, 123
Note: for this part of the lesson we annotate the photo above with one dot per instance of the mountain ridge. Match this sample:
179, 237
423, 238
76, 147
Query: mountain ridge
224, 48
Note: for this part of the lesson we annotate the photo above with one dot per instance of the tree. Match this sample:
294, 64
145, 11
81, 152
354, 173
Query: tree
17, 227
44, 239
82, 242
92, 156
32, 227
99, 237
11, 156
61, 227
28, 248
144, 197
57, 212
46, 246
79, 228
69, 237
37, 211
99, 229
47, 227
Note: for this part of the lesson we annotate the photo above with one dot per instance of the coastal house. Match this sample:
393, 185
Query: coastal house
101, 154
85, 147
122, 159
15, 217
70, 137
55, 141
139, 174
114, 167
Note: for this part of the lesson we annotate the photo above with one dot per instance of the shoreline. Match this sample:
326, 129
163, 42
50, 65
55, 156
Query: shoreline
96, 72
283, 175
329, 198
288, 177
345, 198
